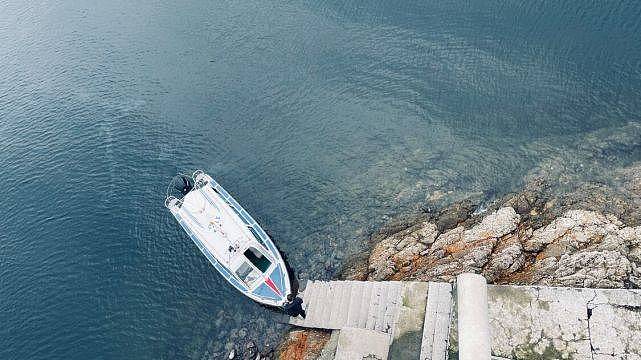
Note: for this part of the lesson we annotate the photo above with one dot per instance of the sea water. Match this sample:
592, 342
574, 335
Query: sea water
323, 118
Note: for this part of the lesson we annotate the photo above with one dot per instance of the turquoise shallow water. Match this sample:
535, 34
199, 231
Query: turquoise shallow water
322, 118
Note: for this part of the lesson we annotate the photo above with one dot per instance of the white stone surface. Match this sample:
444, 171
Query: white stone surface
497, 224
616, 331
525, 326
357, 344
473, 324
565, 323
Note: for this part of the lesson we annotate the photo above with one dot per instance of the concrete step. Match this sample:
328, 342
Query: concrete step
358, 304
408, 328
356, 290
380, 324
339, 312
334, 310
319, 306
404, 319
365, 300
376, 299
341, 305
310, 299
354, 343
436, 329
392, 308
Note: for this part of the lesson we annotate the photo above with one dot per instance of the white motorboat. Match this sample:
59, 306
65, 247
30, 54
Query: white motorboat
230, 239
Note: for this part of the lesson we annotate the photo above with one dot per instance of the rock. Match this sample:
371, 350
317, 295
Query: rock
250, 350
403, 243
399, 249
508, 258
381, 264
495, 225
267, 352
544, 236
303, 344
455, 214
580, 248
329, 265
428, 233
575, 230
448, 221
603, 269
460, 250
446, 239
355, 267
521, 205
562, 229
476, 257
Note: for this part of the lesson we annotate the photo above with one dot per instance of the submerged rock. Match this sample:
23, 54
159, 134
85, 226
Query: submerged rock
453, 215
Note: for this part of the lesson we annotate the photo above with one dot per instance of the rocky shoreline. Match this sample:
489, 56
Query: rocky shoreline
524, 239
576, 222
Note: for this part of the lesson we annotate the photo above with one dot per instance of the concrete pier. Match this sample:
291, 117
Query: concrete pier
472, 320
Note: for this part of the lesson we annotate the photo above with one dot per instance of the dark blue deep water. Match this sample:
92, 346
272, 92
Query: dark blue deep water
322, 118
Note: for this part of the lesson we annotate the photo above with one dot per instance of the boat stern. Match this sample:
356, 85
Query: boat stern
171, 202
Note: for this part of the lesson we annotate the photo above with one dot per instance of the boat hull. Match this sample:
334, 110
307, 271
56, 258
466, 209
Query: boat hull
232, 241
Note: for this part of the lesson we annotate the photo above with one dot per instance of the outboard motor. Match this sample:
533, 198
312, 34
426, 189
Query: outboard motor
184, 185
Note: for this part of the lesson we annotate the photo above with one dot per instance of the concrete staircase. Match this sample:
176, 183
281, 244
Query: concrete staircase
471, 320
351, 304
413, 317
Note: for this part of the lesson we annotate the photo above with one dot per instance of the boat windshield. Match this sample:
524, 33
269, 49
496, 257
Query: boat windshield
244, 272
258, 238
260, 261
